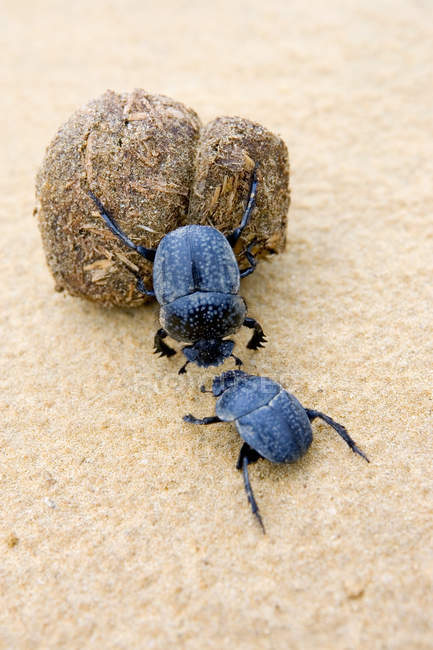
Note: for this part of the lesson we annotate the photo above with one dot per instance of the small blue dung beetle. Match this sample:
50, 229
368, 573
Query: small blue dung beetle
271, 421
196, 281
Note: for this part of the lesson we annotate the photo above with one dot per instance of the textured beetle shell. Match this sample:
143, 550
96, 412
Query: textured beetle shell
203, 315
194, 258
272, 421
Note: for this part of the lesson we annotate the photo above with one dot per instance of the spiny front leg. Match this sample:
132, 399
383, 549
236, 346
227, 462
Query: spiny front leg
258, 339
160, 347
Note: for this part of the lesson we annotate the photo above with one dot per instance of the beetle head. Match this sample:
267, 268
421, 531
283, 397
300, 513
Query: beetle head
227, 380
208, 352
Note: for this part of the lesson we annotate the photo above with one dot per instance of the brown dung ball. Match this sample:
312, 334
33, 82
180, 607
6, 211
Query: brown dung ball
228, 149
154, 168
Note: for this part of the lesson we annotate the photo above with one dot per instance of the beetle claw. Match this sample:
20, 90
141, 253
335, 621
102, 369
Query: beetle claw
164, 351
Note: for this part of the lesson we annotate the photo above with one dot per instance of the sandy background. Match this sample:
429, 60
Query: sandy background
121, 526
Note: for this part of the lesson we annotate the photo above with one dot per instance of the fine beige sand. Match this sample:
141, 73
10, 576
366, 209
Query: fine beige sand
121, 526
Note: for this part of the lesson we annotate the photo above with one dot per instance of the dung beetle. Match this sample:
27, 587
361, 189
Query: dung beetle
196, 281
271, 421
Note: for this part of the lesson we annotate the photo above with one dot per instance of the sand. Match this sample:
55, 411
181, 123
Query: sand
123, 527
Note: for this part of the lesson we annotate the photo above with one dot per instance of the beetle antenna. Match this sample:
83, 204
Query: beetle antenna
203, 389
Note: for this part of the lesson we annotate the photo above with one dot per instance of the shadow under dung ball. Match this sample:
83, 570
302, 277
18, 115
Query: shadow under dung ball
155, 168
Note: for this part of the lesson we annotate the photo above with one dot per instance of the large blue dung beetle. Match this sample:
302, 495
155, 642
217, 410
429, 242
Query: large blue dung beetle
196, 281
271, 421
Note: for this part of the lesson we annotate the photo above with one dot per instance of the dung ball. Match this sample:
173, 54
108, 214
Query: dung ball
228, 150
154, 168
135, 152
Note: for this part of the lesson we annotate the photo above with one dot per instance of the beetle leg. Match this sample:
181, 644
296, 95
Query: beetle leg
238, 363
234, 236
252, 260
246, 450
182, 370
147, 253
142, 289
212, 419
248, 455
140, 285
258, 339
312, 414
161, 347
